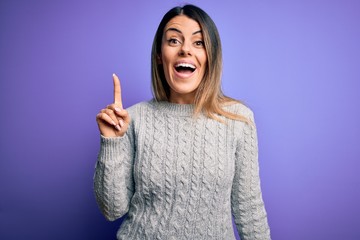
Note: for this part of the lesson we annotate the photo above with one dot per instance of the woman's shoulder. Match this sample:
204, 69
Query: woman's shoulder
139, 105
136, 109
239, 108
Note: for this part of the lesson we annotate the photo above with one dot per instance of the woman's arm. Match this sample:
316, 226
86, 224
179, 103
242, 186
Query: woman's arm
246, 198
113, 180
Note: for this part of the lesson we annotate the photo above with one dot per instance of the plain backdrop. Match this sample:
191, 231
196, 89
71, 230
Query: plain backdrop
295, 63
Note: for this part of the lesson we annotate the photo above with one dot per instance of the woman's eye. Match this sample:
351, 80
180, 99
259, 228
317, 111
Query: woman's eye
199, 43
173, 41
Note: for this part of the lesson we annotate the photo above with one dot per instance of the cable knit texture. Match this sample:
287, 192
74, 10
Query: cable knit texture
180, 177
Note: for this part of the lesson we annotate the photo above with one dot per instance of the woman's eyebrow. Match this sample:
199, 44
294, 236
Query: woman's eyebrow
177, 30
173, 29
200, 31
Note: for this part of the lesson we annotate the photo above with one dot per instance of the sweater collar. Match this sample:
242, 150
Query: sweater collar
174, 108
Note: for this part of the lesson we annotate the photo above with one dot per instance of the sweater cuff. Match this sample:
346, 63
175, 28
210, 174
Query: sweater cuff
111, 148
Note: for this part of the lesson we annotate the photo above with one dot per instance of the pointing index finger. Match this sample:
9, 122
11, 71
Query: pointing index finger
117, 91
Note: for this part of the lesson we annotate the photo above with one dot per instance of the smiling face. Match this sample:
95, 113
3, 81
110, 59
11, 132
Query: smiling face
183, 57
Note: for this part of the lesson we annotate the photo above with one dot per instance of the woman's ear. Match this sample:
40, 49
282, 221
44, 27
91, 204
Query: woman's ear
158, 59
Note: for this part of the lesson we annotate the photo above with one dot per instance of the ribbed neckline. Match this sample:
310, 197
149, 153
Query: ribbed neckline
174, 108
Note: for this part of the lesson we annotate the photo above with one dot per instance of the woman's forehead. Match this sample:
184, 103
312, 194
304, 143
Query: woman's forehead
182, 23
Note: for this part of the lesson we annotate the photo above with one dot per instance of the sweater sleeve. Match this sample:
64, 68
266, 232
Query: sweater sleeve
113, 179
246, 197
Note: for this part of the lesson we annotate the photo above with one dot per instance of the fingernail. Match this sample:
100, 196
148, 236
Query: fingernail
117, 109
113, 123
117, 127
121, 123
114, 74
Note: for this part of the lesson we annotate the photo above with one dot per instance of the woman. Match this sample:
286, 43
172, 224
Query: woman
183, 163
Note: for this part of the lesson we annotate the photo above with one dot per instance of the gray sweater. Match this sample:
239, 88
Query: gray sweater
180, 177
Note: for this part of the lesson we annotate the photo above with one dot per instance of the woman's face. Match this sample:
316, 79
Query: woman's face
183, 56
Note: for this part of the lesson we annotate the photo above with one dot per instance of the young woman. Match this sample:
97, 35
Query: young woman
182, 164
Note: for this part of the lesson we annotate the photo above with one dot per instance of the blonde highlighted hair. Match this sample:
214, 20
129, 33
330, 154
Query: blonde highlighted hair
209, 97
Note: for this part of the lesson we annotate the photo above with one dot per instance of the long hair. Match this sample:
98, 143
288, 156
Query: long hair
209, 97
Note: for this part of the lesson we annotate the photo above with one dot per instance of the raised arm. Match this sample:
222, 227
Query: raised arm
113, 181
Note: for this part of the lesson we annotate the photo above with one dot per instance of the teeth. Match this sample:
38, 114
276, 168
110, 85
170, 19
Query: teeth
185, 65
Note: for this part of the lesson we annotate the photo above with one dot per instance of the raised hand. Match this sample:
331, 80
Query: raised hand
113, 121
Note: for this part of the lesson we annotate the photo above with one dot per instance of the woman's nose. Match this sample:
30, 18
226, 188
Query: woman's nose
185, 49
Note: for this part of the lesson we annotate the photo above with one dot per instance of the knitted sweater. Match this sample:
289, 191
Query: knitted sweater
180, 177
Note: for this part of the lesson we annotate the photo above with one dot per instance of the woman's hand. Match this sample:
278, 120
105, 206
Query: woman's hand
113, 121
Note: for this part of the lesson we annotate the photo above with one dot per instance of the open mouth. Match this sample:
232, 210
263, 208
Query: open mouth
185, 68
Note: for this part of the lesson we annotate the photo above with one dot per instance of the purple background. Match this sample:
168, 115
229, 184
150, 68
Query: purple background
295, 63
